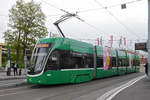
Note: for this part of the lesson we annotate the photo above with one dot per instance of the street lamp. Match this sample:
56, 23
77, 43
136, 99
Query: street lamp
9, 62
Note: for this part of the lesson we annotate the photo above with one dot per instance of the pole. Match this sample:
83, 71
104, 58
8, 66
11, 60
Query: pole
9, 66
126, 62
117, 62
148, 44
25, 61
135, 60
148, 39
95, 61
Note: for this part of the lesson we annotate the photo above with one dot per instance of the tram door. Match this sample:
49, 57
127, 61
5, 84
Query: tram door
54, 73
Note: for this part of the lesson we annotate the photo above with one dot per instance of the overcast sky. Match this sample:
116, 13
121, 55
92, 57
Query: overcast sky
130, 22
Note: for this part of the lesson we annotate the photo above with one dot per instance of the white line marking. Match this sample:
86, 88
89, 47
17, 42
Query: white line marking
112, 93
11, 89
12, 83
16, 93
8, 84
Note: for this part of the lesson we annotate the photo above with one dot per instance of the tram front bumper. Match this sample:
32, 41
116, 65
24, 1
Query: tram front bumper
36, 80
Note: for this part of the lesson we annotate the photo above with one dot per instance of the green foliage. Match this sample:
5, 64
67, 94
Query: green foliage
4, 59
26, 25
26, 20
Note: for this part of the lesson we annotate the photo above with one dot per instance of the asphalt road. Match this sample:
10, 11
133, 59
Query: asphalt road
84, 91
139, 91
11, 83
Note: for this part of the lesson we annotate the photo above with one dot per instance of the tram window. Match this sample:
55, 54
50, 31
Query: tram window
124, 62
137, 63
61, 59
76, 60
83, 61
113, 61
70, 61
89, 61
99, 61
53, 61
66, 61
134, 62
121, 62
127, 62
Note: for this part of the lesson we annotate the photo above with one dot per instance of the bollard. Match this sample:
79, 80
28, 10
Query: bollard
20, 72
8, 71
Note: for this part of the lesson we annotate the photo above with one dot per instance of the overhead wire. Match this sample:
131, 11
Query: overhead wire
102, 7
106, 7
92, 26
120, 22
50, 4
54, 15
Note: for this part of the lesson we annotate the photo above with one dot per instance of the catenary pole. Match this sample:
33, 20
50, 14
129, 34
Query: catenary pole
148, 39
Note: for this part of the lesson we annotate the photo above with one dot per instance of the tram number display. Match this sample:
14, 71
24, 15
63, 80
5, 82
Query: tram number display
42, 45
140, 46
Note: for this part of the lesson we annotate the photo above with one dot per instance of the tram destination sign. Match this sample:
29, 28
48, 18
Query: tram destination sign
141, 46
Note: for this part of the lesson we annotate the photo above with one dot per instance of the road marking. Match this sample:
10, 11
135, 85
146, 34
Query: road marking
112, 93
16, 93
12, 89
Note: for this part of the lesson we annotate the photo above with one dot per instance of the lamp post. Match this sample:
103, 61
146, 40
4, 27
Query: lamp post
9, 62
25, 61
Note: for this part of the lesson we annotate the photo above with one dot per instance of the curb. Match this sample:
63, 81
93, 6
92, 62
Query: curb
13, 85
12, 78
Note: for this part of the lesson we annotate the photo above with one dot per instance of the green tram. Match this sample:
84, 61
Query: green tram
63, 60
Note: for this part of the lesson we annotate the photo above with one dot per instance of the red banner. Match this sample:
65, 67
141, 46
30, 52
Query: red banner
124, 41
111, 40
98, 41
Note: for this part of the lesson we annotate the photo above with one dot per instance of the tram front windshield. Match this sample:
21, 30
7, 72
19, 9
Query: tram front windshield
38, 56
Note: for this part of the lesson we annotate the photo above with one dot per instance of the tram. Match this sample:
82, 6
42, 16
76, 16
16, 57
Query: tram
64, 60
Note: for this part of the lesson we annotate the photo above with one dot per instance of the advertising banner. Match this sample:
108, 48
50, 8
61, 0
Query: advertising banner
107, 58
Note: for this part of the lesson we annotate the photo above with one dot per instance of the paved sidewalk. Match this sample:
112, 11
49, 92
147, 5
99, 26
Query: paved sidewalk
139, 91
11, 81
3, 75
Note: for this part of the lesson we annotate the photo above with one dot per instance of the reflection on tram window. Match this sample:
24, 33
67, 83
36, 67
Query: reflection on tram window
61, 59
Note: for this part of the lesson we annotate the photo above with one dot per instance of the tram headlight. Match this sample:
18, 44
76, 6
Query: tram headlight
48, 74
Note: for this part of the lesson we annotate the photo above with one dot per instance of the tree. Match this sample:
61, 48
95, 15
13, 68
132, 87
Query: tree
26, 25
